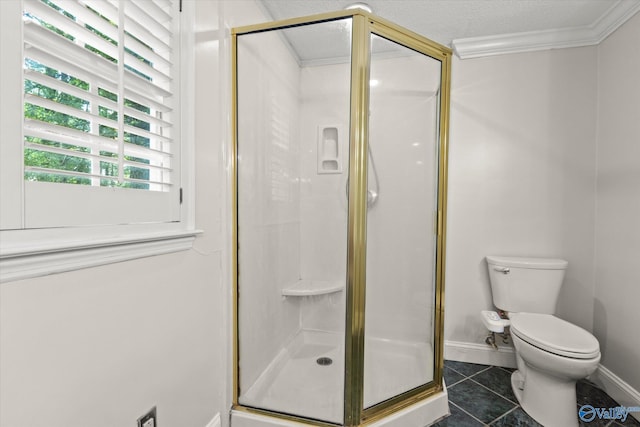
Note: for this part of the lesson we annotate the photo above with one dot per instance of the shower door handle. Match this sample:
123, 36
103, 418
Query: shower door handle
503, 270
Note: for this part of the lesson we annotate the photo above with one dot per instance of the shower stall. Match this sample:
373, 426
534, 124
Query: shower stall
340, 154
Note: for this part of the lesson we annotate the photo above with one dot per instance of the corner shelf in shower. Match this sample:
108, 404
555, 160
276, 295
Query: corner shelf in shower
306, 288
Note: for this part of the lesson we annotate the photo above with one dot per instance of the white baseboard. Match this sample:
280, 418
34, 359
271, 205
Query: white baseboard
479, 353
617, 388
215, 421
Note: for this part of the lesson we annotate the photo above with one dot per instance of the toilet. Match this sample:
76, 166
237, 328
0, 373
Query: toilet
551, 353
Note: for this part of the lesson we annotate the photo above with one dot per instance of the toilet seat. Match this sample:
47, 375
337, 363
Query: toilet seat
554, 335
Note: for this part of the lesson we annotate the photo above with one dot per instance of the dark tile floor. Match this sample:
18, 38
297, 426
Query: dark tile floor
481, 395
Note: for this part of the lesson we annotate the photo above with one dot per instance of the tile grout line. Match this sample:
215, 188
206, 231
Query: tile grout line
457, 382
611, 423
517, 405
478, 420
505, 369
505, 414
469, 376
494, 392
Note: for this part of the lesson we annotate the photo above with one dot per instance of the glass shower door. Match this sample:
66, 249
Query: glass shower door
293, 98
401, 218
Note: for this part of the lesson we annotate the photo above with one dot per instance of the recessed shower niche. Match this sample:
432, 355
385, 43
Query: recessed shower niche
340, 151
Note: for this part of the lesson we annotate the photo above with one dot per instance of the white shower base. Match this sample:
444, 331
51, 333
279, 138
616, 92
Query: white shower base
294, 383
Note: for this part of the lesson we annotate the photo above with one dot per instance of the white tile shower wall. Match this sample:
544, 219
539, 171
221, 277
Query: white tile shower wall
325, 93
323, 200
400, 225
618, 204
521, 177
268, 200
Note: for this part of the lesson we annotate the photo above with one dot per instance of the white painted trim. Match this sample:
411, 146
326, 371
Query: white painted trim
215, 421
246, 419
617, 388
479, 353
46, 260
225, 136
422, 413
187, 126
475, 47
11, 118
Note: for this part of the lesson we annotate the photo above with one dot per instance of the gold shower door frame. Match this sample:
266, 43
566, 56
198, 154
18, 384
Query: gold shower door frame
364, 24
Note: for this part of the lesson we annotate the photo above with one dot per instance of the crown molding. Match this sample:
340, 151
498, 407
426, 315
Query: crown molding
476, 47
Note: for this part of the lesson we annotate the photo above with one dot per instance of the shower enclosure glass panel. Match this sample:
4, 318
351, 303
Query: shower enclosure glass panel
293, 106
339, 162
401, 217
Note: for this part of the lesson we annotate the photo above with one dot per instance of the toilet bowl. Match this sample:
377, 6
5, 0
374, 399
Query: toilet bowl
552, 355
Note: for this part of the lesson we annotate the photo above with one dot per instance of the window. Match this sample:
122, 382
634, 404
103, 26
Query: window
98, 110
91, 136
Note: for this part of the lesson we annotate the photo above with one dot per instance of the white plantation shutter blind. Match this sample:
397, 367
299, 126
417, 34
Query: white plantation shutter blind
100, 128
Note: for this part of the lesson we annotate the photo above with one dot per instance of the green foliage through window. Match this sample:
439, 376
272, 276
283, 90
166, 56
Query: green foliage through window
74, 102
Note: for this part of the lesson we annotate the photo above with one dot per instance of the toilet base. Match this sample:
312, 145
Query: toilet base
549, 400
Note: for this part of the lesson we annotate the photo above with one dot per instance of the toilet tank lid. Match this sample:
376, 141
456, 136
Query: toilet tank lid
528, 262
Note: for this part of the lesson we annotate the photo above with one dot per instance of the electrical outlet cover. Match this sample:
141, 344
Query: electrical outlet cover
148, 419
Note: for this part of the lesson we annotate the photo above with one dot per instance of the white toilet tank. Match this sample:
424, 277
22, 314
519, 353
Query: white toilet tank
529, 285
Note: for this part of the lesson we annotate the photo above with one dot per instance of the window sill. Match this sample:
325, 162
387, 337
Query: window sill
43, 252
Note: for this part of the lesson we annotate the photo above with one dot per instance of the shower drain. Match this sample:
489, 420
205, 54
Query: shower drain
324, 361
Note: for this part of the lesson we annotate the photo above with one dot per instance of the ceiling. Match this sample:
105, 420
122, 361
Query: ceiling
486, 27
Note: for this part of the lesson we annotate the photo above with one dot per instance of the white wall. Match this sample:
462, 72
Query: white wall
104, 345
521, 177
617, 281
